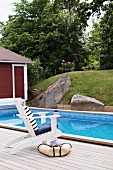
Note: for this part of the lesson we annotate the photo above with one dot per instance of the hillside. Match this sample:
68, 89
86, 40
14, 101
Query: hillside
97, 84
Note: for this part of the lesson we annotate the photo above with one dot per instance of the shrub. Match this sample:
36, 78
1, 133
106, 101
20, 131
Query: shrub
35, 73
67, 66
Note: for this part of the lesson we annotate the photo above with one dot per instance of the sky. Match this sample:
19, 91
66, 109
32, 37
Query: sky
6, 9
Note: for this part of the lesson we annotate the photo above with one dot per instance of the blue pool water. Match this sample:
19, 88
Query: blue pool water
75, 123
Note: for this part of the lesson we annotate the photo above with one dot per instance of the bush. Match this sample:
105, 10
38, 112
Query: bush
35, 73
67, 66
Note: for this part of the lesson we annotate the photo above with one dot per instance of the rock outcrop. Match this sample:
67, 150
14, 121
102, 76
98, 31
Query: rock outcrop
84, 103
54, 93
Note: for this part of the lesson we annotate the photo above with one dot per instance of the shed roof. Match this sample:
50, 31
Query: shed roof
12, 57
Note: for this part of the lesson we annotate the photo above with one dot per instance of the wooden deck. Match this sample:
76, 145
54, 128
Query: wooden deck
83, 156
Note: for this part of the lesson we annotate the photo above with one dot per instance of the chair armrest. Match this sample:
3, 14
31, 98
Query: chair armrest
43, 119
39, 117
40, 113
52, 117
28, 117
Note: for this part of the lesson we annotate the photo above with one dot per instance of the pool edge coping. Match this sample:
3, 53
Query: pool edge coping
93, 112
66, 136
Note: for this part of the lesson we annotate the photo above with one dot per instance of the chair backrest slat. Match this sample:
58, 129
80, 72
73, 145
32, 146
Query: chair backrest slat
31, 120
30, 123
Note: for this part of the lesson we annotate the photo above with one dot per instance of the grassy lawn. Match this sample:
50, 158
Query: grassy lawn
97, 84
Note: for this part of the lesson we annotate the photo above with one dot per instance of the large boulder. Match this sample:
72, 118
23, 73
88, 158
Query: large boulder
84, 103
54, 93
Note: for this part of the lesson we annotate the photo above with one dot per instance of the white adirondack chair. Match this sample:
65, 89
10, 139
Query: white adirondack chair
36, 134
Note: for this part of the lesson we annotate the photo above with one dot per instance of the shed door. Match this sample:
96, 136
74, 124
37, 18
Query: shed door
6, 85
19, 81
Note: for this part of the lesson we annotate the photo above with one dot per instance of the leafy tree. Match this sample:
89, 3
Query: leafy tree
106, 26
95, 6
100, 41
93, 44
48, 30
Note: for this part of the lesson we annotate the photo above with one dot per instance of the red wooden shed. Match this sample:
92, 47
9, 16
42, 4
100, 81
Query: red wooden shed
13, 74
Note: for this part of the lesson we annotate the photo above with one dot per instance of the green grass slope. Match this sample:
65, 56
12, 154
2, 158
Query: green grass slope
97, 84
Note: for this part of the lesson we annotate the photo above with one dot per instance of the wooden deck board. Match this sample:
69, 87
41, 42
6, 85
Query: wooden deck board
83, 156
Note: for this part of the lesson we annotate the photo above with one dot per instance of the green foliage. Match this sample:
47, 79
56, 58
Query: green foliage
100, 40
93, 7
93, 44
67, 66
106, 35
92, 64
35, 73
54, 30
48, 30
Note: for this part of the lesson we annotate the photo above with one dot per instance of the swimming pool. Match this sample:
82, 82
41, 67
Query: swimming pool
81, 124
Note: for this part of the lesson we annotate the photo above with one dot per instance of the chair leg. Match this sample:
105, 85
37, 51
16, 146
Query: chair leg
32, 141
35, 141
13, 141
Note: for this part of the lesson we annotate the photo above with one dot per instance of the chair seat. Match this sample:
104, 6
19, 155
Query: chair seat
43, 128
